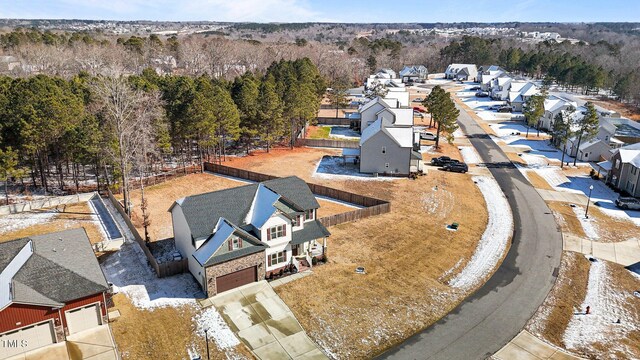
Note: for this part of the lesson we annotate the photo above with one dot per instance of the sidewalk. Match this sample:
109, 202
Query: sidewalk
624, 253
525, 346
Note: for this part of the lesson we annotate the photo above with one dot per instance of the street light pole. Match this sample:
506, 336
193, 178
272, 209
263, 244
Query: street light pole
206, 340
586, 213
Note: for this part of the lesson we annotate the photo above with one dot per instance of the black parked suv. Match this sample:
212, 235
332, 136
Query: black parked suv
442, 160
456, 167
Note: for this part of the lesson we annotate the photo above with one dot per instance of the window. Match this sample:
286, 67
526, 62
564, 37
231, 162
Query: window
295, 221
235, 243
277, 258
617, 165
308, 214
634, 170
384, 149
276, 232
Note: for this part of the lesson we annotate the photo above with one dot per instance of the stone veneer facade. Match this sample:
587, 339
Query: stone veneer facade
234, 265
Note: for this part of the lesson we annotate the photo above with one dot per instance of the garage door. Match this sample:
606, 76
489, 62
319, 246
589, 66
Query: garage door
26, 339
235, 279
83, 318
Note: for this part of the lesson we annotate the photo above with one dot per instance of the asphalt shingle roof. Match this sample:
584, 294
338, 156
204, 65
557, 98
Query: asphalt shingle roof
312, 230
203, 211
62, 268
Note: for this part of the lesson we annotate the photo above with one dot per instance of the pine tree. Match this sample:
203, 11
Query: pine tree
443, 111
270, 112
587, 127
562, 131
9, 168
227, 117
533, 110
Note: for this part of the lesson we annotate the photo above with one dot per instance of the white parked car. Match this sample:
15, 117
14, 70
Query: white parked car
628, 203
425, 135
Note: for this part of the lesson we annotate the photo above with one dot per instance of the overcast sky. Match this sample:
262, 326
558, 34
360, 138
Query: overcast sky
328, 10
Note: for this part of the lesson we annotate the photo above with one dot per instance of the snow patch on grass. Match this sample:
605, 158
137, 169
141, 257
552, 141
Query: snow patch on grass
470, 155
606, 306
334, 168
588, 225
494, 241
438, 200
13, 222
216, 327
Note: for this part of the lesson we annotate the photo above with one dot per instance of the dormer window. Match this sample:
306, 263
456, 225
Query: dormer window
235, 243
308, 214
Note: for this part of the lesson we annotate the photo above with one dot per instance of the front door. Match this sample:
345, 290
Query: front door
294, 250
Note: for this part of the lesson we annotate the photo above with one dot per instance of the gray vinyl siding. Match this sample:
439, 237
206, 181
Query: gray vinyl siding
372, 160
182, 236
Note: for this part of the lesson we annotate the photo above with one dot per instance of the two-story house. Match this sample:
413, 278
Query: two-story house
462, 72
624, 173
236, 236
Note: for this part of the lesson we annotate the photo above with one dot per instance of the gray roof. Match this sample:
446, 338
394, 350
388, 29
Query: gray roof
312, 230
203, 211
250, 245
62, 268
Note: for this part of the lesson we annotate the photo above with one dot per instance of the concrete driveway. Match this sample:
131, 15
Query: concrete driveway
94, 344
264, 323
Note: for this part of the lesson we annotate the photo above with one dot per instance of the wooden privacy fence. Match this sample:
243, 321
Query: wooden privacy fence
160, 178
371, 206
162, 269
328, 143
333, 121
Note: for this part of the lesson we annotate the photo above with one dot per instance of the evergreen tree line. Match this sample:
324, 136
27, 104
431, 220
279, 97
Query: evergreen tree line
55, 129
561, 63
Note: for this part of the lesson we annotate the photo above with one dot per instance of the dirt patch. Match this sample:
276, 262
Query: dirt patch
566, 297
164, 333
358, 316
160, 197
628, 110
66, 217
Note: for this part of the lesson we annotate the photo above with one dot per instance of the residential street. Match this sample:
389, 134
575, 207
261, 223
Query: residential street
498, 311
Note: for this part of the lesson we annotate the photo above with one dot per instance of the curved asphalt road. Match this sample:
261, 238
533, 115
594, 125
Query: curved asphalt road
494, 315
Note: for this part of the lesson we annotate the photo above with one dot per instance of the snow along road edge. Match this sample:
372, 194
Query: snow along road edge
493, 244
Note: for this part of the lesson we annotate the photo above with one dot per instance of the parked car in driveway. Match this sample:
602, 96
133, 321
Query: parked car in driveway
442, 160
628, 203
417, 100
505, 109
482, 94
418, 114
427, 136
495, 107
474, 88
456, 167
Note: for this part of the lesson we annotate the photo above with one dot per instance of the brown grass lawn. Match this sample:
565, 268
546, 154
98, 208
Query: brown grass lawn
538, 181
405, 253
610, 229
629, 110
163, 333
69, 217
160, 197
566, 297
552, 318
328, 208
513, 156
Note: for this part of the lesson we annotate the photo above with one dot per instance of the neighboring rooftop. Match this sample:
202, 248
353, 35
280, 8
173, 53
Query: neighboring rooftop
49, 269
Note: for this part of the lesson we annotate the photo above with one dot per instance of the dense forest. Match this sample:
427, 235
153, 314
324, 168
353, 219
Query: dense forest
200, 95
118, 127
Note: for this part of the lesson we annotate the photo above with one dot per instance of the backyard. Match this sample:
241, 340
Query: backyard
402, 291
43, 221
